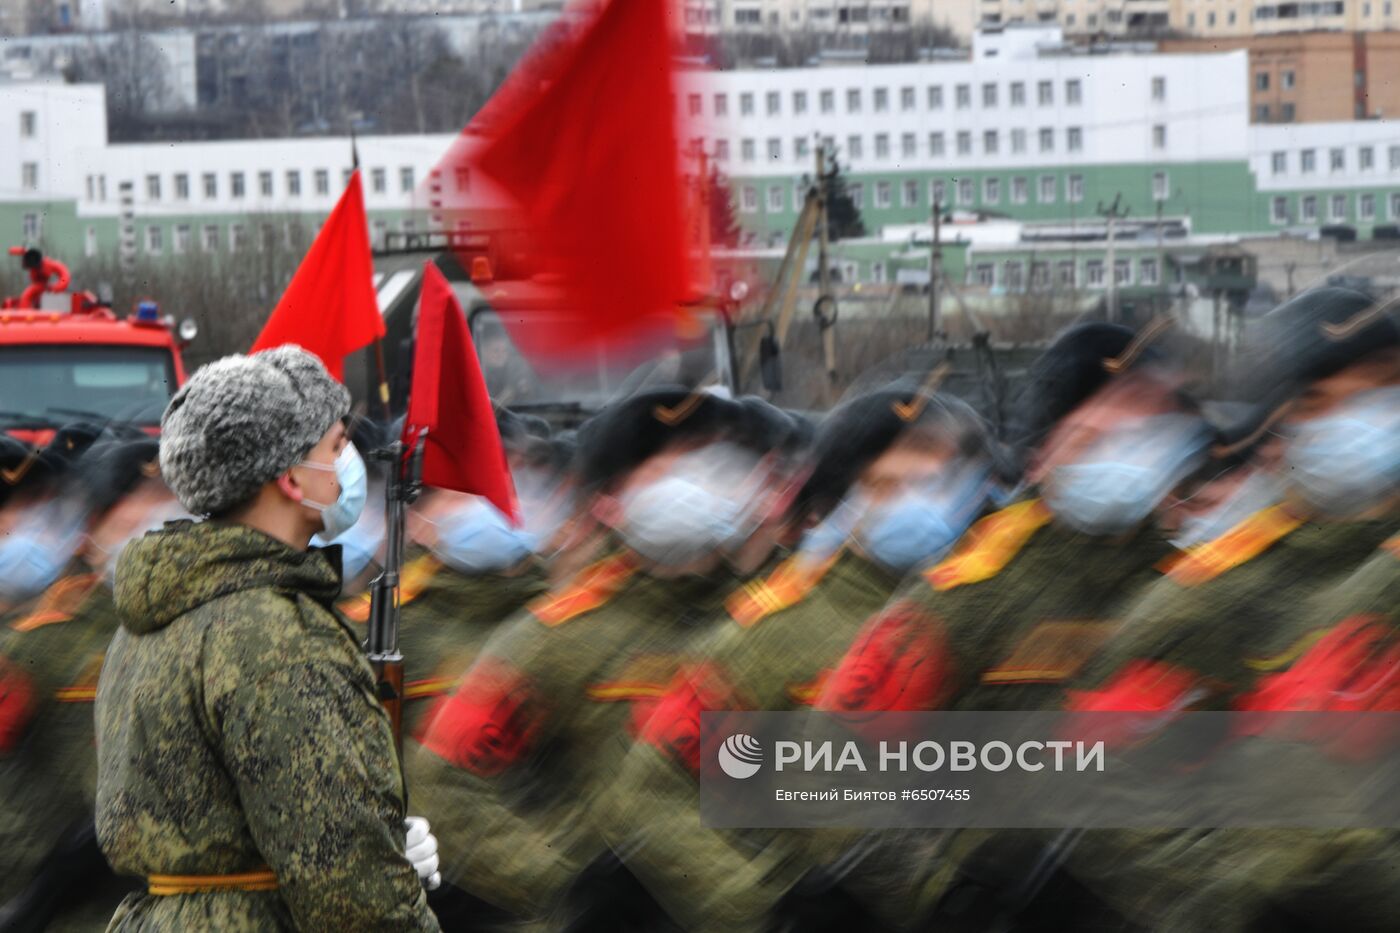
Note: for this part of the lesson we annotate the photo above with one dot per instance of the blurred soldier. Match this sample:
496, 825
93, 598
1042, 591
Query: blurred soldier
51, 650
245, 766
515, 758
898, 474
1221, 632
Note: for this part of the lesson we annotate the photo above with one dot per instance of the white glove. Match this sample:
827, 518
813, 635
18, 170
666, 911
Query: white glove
421, 848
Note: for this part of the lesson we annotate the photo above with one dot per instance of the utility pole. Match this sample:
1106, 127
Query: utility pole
935, 269
823, 274
1111, 215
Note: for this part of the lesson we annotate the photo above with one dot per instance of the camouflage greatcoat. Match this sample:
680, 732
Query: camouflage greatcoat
238, 728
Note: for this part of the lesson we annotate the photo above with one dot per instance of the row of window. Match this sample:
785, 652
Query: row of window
964, 142
1307, 208
1066, 273
883, 100
1337, 159
180, 183
181, 238
961, 192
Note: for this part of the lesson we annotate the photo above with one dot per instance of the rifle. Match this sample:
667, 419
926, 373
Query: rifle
401, 488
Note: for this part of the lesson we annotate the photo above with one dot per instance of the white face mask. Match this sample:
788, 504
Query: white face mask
341, 515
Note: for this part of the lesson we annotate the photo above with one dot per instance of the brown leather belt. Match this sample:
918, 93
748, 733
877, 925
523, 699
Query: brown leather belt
165, 885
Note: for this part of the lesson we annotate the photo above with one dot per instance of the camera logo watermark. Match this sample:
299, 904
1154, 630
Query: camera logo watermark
740, 756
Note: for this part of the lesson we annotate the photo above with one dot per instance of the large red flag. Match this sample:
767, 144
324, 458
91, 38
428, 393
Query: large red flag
330, 307
583, 142
448, 405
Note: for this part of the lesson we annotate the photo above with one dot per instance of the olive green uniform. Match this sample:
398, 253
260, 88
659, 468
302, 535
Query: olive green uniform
238, 729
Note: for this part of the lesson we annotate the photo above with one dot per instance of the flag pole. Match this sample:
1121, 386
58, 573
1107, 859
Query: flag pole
383, 380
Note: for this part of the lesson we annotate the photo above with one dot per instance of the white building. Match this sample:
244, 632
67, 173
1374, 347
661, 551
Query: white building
857, 17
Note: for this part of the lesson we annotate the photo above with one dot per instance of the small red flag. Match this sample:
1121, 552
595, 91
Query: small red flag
583, 141
330, 307
448, 406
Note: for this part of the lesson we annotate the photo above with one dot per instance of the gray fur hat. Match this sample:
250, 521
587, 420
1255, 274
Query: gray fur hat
243, 421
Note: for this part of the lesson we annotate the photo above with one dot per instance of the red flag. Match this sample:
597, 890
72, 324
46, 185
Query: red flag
583, 143
448, 405
330, 307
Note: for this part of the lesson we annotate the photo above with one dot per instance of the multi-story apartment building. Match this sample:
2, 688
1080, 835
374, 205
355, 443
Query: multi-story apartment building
855, 17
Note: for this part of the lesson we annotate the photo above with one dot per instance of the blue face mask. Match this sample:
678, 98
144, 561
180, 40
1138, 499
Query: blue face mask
921, 525
1121, 478
676, 520
1348, 461
1257, 492
34, 553
478, 539
341, 515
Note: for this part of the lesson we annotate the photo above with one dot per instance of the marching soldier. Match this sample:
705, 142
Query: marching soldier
514, 760
246, 768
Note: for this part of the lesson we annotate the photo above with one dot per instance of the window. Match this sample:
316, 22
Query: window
180, 243
935, 145
989, 142
906, 98
1093, 273
155, 240
1018, 93
853, 100
1020, 190
1261, 81
1261, 113
379, 180
406, 178
882, 99
209, 238
857, 193
964, 96
211, 186
1047, 189
964, 142
1159, 88
938, 193
1280, 162
1147, 271
152, 187
909, 194
991, 190
989, 95
1395, 158
882, 145
1045, 93
985, 274
966, 193
1286, 113
90, 241
323, 181
1307, 161
1366, 158
1161, 186
1395, 206
801, 147
1064, 273
746, 104
1074, 189
1011, 273
1288, 80
1018, 141
1074, 94
908, 145
1337, 209
883, 194
235, 237
1040, 275
182, 187
1122, 272
1047, 139
748, 201
775, 198
1074, 139
748, 150
799, 102
30, 227
1278, 210
854, 148
694, 104
935, 97
345, 177
28, 124
722, 150
235, 182
1309, 209
828, 101
775, 150
721, 105
1366, 207
1159, 137
265, 184
773, 103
